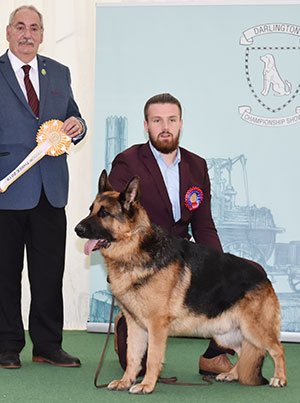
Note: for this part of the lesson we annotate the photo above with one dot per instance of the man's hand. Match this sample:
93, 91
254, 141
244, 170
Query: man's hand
72, 127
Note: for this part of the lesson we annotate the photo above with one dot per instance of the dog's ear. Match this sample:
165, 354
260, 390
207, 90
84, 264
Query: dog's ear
103, 184
130, 194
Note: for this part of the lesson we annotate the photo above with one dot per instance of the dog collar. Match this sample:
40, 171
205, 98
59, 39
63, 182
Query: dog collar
137, 229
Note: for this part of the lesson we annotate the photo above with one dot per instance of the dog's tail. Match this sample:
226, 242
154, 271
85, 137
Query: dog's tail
249, 365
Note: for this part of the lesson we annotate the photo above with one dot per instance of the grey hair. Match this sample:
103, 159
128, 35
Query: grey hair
32, 8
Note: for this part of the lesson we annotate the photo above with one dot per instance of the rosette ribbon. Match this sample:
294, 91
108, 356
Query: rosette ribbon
51, 141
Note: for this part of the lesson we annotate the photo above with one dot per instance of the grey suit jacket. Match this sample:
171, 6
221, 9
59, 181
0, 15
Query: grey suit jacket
18, 129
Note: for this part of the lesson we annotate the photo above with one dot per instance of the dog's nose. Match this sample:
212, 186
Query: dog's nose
80, 230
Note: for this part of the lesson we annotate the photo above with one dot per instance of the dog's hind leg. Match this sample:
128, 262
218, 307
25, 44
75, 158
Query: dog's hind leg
277, 354
158, 334
261, 332
254, 356
136, 347
249, 364
276, 350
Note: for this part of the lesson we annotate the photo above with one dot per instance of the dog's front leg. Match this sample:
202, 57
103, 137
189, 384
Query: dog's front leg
266, 88
136, 347
157, 340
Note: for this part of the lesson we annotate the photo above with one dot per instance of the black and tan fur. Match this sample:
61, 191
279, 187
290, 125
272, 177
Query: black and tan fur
170, 286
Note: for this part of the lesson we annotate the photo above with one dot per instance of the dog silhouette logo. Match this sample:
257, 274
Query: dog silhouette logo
272, 56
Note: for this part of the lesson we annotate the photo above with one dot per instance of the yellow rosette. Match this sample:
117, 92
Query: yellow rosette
51, 141
51, 132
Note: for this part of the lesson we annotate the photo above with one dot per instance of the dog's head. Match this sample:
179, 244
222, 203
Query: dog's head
268, 59
113, 216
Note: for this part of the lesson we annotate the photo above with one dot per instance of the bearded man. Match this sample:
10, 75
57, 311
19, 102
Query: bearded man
175, 191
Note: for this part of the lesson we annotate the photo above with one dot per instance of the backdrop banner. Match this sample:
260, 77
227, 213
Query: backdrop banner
235, 70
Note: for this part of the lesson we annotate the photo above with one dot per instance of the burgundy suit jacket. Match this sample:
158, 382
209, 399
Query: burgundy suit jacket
139, 160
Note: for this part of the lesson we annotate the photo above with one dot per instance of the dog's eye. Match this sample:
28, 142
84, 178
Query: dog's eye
103, 213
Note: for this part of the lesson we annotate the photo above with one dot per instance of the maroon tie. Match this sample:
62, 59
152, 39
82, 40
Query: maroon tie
31, 94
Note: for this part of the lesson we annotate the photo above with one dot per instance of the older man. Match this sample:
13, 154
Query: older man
34, 89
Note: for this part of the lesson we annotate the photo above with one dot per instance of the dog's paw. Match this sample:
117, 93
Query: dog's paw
119, 385
277, 382
141, 388
226, 377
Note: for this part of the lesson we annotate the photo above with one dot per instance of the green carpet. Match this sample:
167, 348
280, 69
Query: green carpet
44, 383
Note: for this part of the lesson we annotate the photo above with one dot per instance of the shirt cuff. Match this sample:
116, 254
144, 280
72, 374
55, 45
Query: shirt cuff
80, 136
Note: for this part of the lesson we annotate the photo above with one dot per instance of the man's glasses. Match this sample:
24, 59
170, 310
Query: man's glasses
21, 28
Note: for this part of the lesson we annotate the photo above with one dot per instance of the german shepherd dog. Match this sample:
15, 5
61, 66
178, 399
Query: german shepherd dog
170, 286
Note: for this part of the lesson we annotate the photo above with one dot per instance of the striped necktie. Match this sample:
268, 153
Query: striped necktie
31, 94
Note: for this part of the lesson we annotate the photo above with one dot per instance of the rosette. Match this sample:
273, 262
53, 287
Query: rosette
51, 132
193, 198
51, 141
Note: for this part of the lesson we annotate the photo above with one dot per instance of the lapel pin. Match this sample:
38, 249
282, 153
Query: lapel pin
43, 71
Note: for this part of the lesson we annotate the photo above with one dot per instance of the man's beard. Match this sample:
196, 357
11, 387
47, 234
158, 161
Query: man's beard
165, 146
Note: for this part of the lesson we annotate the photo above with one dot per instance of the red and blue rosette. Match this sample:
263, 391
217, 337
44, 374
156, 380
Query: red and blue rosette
193, 198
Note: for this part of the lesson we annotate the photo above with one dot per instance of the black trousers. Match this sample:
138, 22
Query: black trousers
40, 231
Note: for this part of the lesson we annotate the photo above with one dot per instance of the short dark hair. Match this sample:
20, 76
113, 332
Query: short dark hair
161, 99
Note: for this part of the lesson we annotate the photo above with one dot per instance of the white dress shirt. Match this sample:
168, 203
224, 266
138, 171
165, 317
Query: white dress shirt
19, 72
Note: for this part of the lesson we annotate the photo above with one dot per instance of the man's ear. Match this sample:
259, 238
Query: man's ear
8, 28
42, 35
146, 126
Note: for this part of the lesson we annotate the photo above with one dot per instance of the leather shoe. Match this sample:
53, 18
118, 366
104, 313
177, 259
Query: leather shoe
214, 366
57, 357
10, 360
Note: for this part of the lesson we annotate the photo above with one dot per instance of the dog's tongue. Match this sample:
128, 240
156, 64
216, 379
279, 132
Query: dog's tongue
90, 245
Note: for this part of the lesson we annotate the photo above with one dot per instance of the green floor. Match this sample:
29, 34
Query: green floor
43, 383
